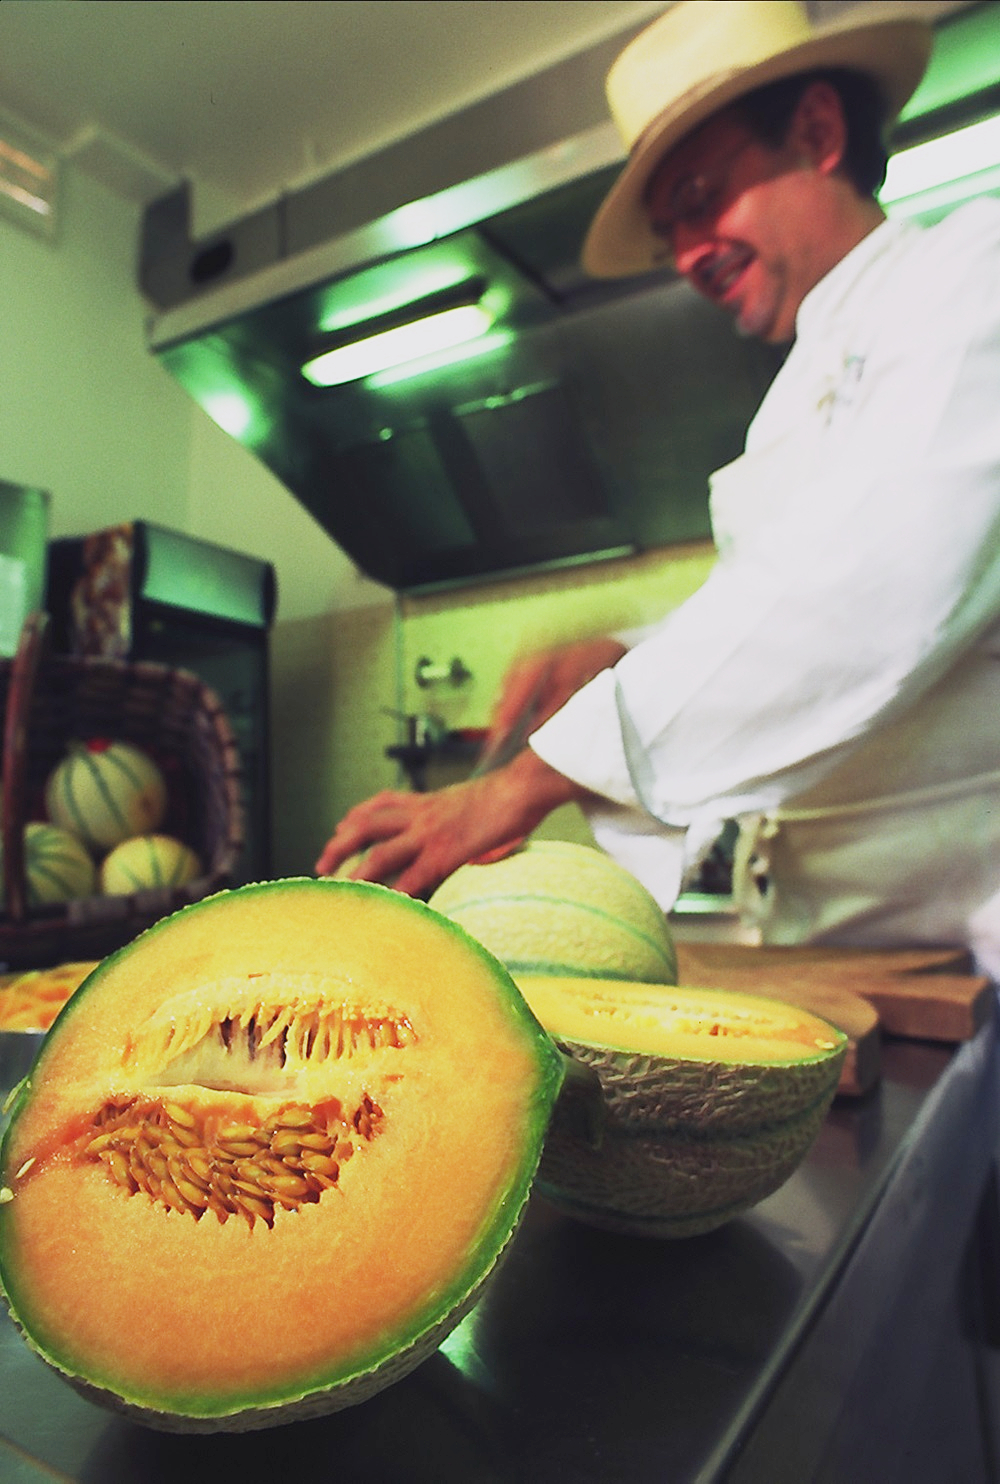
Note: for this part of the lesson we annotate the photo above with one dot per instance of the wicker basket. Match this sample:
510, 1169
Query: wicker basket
51, 700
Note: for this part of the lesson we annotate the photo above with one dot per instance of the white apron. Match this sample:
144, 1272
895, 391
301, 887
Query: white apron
899, 845
897, 871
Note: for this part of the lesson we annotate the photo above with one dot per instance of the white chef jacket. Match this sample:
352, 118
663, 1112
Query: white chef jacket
835, 682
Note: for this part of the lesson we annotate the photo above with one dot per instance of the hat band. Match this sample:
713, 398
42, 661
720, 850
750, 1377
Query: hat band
682, 103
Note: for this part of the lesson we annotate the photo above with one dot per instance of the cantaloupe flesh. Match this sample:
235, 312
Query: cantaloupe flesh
205, 1317
665, 1021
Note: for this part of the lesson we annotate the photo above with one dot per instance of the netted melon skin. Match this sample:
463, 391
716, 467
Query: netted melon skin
685, 1146
706, 1098
667, 1185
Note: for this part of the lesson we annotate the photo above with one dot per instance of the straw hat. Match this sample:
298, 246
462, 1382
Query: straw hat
701, 55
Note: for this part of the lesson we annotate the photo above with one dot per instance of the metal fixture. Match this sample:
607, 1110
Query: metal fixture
427, 673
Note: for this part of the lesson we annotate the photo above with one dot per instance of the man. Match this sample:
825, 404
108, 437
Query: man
834, 685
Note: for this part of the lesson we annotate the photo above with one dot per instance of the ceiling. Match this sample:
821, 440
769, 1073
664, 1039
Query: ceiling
249, 98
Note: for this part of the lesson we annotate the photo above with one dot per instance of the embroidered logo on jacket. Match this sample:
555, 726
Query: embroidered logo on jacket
844, 390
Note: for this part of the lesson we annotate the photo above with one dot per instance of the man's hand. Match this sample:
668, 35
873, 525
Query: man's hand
415, 840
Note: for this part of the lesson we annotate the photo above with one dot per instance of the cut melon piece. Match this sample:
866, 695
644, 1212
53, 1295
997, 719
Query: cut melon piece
556, 907
32, 1000
713, 1098
269, 1153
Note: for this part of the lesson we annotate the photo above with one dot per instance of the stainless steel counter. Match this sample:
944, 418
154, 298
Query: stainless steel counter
798, 1344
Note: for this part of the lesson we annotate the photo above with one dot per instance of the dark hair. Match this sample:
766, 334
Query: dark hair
768, 111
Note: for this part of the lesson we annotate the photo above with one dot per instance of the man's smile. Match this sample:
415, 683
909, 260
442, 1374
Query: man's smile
717, 273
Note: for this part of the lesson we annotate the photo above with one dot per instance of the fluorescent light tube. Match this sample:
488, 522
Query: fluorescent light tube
439, 360
440, 331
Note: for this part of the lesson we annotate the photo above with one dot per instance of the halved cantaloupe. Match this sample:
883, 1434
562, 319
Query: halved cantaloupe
269, 1153
712, 1100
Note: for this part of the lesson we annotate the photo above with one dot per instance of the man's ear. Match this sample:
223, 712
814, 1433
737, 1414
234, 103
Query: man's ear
818, 130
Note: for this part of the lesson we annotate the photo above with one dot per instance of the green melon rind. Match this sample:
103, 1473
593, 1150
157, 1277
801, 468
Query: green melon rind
153, 875
150, 871
333, 1390
66, 804
546, 921
358, 1388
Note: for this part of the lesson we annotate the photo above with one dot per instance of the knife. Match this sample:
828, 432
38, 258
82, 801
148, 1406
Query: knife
500, 749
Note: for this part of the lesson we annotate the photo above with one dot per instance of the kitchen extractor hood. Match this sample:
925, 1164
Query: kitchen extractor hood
582, 420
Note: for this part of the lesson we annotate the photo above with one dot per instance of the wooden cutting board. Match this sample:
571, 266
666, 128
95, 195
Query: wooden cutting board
925, 994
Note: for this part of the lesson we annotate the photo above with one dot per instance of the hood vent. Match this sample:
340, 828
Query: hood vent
582, 424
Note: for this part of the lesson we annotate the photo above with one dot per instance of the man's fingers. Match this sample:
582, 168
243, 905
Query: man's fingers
379, 818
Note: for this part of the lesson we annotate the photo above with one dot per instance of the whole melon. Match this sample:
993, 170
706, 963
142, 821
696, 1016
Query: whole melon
105, 792
57, 865
289, 1130
147, 861
556, 907
712, 1098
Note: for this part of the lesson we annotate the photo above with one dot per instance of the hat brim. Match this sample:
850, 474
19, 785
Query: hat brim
895, 53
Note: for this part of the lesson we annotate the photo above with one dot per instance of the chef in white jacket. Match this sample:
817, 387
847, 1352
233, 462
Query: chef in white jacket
835, 684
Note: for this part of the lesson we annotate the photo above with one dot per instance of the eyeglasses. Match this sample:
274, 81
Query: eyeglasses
694, 200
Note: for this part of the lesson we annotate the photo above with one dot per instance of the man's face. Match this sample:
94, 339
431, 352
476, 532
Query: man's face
745, 224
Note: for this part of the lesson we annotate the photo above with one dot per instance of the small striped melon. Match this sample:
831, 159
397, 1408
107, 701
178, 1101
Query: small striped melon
105, 792
712, 1098
556, 907
57, 866
147, 861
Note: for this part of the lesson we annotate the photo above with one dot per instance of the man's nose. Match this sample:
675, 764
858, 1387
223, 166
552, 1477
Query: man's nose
685, 246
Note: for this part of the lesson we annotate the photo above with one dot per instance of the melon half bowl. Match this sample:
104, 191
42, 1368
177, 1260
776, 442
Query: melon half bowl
269, 1154
711, 1099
